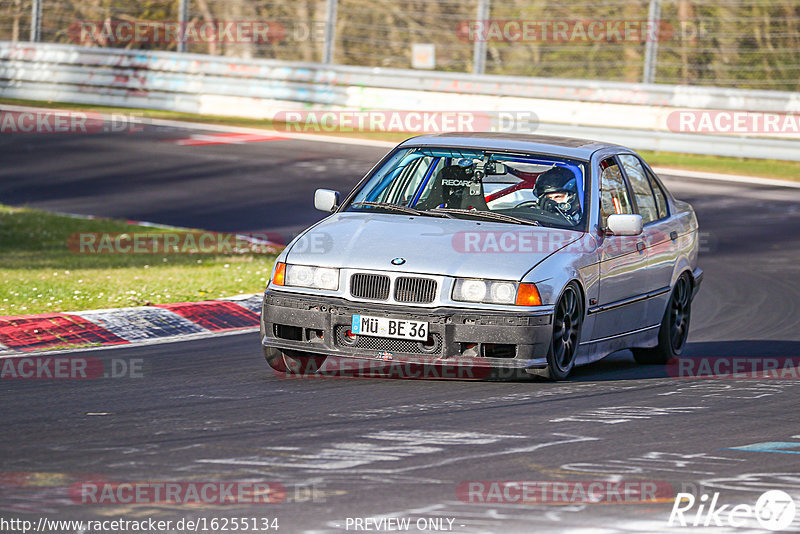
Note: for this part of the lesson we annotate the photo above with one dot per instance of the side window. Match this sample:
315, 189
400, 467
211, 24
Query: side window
640, 185
613, 194
661, 198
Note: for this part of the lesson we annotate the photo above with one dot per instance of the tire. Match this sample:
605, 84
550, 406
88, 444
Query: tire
567, 324
293, 362
302, 363
290, 361
274, 358
674, 326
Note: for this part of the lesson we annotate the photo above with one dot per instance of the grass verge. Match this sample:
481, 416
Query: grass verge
762, 168
40, 274
766, 168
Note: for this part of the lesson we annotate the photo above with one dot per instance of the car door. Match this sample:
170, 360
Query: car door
623, 262
659, 238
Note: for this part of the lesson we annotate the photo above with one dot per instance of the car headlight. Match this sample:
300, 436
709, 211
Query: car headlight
493, 292
470, 290
307, 276
496, 292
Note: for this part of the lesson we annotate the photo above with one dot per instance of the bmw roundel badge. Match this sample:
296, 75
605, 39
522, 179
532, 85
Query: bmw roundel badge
398, 261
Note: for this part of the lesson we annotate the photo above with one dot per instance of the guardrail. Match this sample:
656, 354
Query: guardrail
632, 114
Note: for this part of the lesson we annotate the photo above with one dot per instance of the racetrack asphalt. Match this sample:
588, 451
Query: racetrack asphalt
212, 410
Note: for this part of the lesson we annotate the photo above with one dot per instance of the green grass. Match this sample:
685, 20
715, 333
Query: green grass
40, 274
766, 168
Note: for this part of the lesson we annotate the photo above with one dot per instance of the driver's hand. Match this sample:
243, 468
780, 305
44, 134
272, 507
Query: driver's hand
548, 204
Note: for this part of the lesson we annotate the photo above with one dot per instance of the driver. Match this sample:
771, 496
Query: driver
557, 191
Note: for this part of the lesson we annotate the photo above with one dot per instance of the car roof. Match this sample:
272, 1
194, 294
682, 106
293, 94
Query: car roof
569, 147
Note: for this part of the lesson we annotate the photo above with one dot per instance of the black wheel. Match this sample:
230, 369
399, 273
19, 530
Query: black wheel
674, 326
567, 323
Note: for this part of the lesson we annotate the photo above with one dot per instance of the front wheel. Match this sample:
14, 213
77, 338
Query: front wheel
293, 362
674, 327
274, 358
567, 323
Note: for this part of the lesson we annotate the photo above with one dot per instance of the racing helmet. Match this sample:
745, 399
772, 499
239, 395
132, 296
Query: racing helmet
558, 180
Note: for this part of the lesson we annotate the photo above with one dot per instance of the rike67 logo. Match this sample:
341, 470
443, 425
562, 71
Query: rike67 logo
774, 510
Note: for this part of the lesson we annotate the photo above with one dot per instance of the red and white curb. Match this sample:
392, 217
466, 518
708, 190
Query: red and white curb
122, 326
227, 138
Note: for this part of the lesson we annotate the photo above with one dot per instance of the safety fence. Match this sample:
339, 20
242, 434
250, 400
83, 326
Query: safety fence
705, 120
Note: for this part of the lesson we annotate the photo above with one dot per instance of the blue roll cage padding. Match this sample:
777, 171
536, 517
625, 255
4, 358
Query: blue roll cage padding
391, 175
418, 193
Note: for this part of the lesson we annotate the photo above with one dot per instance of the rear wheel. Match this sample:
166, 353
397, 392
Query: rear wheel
567, 323
674, 326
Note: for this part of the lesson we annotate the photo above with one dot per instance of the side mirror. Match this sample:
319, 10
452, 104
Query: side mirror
623, 224
326, 200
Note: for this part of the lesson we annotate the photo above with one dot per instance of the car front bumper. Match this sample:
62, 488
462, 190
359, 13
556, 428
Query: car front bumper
317, 325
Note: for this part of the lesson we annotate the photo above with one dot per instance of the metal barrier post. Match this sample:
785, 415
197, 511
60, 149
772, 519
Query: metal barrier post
183, 20
36, 21
651, 45
479, 50
330, 31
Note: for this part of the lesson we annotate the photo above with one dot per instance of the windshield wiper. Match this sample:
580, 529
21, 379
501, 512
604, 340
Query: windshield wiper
399, 209
491, 215
388, 206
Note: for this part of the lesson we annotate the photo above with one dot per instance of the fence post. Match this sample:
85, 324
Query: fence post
36, 21
651, 44
183, 20
330, 31
479, 50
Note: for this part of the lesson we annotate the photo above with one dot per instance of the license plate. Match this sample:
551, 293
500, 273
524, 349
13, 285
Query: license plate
366, 325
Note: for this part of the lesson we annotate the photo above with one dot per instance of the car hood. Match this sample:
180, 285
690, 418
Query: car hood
429, 245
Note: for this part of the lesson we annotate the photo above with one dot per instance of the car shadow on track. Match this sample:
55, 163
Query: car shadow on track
741, 359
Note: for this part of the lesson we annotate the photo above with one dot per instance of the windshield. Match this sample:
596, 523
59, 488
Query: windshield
515, 188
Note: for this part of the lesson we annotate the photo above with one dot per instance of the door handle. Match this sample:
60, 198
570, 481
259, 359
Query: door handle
640, 246
673, 235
